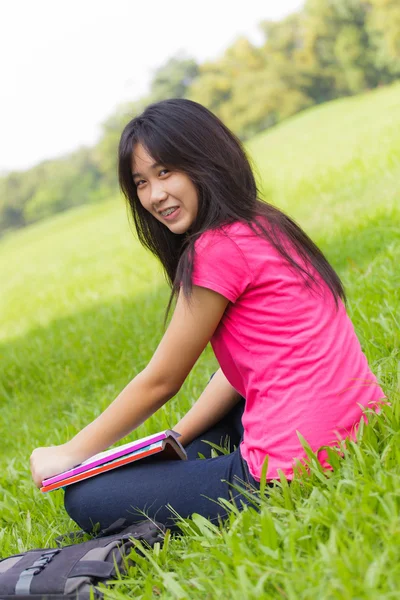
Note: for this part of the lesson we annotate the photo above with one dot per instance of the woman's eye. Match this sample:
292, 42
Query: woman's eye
162, 172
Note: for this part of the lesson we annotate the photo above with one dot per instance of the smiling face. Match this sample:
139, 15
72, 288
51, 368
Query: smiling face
160, 189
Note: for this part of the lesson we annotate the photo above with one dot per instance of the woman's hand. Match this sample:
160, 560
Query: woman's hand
51, 460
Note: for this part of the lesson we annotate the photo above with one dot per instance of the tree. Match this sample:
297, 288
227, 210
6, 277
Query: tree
383, 26
172, 79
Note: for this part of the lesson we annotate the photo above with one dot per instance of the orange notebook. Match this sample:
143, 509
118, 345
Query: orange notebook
168, 447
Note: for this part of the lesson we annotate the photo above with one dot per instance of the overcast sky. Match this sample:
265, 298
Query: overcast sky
66, 65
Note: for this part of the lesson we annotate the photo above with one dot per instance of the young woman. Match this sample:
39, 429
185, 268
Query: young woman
248, 280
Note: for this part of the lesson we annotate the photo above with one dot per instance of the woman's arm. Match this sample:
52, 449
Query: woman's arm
213, 404
191, 327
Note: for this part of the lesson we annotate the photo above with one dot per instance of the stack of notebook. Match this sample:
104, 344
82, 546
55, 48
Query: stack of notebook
165, 443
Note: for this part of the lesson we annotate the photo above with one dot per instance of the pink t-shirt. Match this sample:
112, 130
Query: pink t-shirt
286, 349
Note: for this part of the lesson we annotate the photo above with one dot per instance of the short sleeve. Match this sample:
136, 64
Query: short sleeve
219, 265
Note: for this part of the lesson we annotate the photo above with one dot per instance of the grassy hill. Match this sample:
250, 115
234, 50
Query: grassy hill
81, 310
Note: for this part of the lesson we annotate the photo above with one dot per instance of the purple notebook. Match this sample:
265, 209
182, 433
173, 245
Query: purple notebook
109, 455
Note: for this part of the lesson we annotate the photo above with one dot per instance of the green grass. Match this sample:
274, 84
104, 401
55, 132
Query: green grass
81, 312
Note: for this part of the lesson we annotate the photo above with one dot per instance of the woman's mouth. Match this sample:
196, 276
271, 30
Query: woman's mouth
171, 214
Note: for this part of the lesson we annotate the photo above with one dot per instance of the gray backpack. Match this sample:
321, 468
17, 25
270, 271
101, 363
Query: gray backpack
74, 570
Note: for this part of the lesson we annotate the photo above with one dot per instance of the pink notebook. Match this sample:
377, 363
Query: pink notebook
111, 455
167, 449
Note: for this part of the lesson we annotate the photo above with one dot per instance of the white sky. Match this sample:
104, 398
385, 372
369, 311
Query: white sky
66, 64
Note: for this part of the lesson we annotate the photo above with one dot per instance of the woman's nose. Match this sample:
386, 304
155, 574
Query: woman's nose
158, 193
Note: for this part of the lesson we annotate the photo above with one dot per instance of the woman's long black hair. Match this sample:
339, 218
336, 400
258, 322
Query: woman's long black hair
183, 135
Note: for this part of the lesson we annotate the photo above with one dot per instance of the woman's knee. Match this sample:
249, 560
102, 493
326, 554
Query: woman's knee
100, 501
80, 506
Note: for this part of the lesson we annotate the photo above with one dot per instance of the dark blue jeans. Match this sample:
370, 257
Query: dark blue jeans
151, 486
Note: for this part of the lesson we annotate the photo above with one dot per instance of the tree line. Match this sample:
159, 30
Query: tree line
327, 50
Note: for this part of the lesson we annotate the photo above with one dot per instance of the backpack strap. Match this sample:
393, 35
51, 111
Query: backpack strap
23, 585
92, 568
